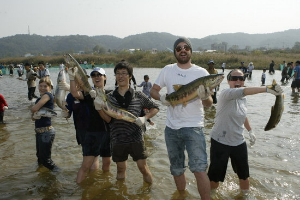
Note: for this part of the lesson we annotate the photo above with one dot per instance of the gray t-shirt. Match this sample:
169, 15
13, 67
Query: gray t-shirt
230, 117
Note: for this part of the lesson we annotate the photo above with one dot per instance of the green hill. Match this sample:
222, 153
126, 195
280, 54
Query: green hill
19, 45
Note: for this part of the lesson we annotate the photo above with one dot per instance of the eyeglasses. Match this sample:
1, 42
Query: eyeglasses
235, 78
185, 47
121, 74
93, 75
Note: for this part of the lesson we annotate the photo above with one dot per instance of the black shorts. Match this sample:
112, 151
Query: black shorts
219, 155
136, 150
296, 83
96, 143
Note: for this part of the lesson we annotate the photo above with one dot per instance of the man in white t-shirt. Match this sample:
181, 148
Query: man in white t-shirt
184, 125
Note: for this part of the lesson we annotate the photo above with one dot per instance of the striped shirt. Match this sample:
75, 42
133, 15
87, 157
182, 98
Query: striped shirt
123, 132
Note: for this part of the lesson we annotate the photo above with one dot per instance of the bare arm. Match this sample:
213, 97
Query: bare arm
104, 116
40, 104
208, 102
154, 92
152, 112
247, 124
75, 93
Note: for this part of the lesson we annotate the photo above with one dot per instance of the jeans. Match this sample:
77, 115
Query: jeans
44, 143
193, 140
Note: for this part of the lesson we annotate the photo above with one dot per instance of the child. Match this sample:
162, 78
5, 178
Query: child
146, 86
146, 90
263, 77
3, 107
45, 132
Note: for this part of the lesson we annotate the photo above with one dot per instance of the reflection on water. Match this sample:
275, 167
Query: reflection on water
274, 159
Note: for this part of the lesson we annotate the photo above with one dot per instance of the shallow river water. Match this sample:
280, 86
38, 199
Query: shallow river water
274, 160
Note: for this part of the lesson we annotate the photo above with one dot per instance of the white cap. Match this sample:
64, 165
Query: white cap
98, 69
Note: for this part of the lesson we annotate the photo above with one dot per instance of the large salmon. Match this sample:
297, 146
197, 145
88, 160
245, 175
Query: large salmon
60, 95
80, 76
185, 93
112, 111
276, 110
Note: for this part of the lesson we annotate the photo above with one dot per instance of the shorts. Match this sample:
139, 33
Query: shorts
136, 150
219, 155
80, 135
96, 143
190, 139
296, 83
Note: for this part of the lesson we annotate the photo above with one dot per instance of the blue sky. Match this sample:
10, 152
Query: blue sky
121, 18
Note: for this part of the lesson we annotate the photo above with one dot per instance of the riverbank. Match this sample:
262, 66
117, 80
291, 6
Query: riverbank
260, 59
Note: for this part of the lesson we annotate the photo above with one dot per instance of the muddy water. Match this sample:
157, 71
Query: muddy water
274, 160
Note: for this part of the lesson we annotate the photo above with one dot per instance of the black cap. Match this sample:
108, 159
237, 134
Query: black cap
298, 61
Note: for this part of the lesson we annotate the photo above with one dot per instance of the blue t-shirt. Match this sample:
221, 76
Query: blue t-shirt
45, 121
297, 69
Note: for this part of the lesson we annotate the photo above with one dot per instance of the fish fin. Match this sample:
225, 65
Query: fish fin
274, 82
177, 87
184, 103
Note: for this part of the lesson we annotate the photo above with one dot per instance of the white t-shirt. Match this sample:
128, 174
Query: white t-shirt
191, 115
230, 117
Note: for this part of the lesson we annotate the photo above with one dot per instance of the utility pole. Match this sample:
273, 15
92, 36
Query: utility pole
28, 30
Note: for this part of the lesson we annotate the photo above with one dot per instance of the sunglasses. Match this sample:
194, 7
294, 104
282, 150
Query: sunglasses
96, 75
185, 47
235, 78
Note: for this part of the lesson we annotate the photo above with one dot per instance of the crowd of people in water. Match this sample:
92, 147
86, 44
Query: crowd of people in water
114, 139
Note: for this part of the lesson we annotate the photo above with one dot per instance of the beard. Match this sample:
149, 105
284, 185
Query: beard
183, 60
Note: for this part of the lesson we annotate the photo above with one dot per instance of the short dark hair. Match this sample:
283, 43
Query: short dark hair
146, 77
41, 63
124, 65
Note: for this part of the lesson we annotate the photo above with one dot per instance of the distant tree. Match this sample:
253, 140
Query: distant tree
98, 49
200, 49
296, 46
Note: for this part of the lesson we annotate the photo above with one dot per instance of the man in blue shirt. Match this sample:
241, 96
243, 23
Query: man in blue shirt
296, 81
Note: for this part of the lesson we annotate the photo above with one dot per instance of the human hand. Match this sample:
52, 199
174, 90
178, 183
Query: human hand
99, 103
140, 121
36, 115
64, 86
93, 93
252, 137
65, 114
163, 100
203, 93
72, 72
5, 107
274, 90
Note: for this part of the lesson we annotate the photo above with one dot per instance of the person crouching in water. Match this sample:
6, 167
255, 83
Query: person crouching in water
45, 132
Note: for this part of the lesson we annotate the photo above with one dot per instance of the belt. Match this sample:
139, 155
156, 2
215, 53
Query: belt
43, 129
